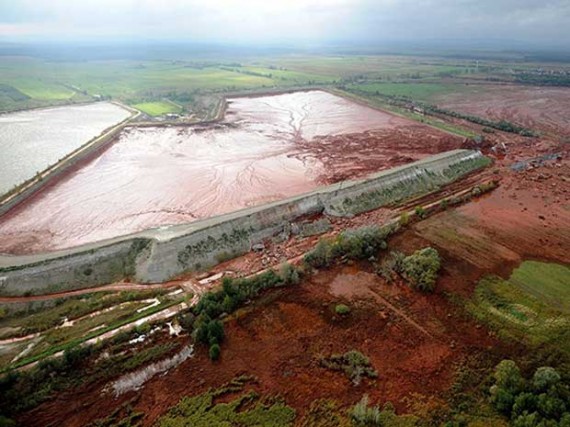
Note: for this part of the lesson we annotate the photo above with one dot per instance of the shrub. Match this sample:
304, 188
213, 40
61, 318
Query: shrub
420, 212
360, 243
289, 274
215, 331
544, 378
214, 352
404, 219
320, 256
353, 363
362, 414
393, 264
342, 309
421, 269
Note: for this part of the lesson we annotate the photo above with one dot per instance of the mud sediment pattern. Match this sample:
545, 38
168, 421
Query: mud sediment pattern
267, 149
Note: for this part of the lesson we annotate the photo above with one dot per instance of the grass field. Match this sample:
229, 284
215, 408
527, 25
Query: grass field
530, 307
420, 91
158, 108
140, 81
548, 282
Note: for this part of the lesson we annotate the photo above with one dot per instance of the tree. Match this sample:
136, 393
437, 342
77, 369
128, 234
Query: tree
215, 331
544, 378
421, 269
508, 376
214, 352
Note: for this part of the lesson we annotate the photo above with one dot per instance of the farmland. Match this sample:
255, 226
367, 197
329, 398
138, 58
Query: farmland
158, 108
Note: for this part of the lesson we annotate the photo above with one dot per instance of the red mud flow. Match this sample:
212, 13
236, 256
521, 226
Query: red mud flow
539, 108
268, 148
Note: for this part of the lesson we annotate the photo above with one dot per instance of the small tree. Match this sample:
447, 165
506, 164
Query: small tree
421, 269
214, 352
544, 378
289, 274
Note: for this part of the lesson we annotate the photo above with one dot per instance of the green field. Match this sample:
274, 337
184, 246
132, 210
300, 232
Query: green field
28, 82
530, 307
548, 282
158, 108
420, 91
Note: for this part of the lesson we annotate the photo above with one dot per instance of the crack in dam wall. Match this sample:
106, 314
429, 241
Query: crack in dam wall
161, 254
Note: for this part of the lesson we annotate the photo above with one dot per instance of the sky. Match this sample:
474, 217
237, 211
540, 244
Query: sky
544, 22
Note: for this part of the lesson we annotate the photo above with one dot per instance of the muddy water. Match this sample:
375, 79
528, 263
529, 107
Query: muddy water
167, 175
30, 141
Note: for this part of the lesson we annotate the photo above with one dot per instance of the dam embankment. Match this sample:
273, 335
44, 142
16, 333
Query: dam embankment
163, 253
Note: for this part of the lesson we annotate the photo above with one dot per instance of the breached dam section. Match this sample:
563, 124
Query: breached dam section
31, 141
161, 254
266, 149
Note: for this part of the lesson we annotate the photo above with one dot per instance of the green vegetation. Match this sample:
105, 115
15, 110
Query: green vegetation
354, 364
420, 212
342, 309
423, 91
360, 243
543, 400
419, 269
45, 319
158, 108
24, 390
207, 328
530, 307
68, 342
548, 282
364, 415
248, 409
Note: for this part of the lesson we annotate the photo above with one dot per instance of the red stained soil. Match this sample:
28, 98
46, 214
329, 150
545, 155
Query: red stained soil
415, 342
269, 148
541, 108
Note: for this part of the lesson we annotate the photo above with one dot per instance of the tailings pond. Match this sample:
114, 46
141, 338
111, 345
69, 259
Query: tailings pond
31, 141
267, 148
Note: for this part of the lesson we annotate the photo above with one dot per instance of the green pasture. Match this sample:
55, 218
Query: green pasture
532, 306
418, 91
158, 108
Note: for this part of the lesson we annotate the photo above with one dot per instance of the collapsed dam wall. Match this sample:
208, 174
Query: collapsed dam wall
161, 254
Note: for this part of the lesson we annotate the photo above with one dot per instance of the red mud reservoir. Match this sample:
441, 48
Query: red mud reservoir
266, 149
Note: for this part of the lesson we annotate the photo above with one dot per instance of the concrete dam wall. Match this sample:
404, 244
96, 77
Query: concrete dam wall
161, 254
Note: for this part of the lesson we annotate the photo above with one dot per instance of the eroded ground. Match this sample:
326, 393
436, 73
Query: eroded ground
268, 148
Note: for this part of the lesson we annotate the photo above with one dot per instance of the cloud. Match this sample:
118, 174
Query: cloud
287, 20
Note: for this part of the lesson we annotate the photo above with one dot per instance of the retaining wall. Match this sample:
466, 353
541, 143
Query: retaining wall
160, 254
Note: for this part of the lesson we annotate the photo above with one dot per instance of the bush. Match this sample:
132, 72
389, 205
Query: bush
342, 309
362, 414
393, 264
214, 352
320, 256
404, 219
353, 363
544, 378
360, 243
420, 212
289, 274
421, 269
